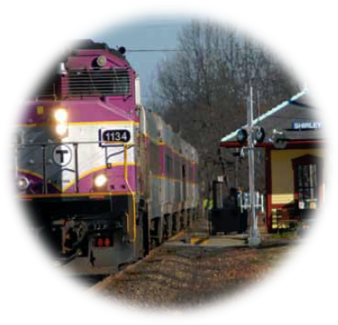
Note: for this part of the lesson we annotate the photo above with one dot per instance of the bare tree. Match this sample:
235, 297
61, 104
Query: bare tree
201, 91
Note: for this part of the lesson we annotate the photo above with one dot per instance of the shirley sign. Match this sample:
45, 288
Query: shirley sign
306, 125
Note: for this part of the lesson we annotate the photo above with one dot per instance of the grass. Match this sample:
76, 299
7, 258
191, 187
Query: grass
285, 234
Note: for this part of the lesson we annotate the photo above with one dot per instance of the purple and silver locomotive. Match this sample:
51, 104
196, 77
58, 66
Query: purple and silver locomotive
103, 179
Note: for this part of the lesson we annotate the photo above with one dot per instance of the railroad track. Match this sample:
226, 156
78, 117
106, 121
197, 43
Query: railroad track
88, 286
129, 267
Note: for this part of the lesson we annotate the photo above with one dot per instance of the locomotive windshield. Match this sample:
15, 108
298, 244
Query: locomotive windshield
103, 82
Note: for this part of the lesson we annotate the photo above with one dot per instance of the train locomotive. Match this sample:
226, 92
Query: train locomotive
103, 179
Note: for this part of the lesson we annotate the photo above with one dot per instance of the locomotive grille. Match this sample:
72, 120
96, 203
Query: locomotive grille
103, 82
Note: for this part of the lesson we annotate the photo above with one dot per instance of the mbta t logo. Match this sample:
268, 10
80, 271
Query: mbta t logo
62, 155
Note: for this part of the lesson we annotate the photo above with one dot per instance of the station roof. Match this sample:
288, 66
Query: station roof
296, 118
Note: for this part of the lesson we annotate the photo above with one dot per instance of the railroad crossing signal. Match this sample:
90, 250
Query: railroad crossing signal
242, 136
258, 135
279, 140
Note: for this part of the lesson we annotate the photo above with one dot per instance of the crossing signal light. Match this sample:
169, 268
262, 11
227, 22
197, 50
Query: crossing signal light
259, 134
242, 136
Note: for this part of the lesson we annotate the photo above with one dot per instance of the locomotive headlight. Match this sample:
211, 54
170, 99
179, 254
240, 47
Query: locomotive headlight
61, 129
23, 183
100, 180
61, 115
61, 122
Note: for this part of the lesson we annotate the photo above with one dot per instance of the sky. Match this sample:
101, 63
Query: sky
151, 26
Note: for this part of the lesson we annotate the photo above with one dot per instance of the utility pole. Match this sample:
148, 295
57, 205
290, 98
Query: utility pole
254, 238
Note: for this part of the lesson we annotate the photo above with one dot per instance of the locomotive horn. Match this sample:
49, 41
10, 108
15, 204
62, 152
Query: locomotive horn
122, 49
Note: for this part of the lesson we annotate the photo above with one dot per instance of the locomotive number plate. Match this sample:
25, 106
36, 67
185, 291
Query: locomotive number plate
114, 136
13, 138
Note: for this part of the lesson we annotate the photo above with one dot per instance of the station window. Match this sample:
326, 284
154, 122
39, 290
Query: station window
307, 179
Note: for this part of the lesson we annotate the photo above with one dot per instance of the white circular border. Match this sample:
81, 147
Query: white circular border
68, 161
33, 34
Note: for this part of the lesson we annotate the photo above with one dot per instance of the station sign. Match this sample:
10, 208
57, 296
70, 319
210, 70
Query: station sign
306, 125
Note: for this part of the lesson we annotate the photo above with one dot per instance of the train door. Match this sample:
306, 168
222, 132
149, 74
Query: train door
144, 178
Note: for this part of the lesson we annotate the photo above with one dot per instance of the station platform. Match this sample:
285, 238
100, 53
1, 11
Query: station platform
203, 239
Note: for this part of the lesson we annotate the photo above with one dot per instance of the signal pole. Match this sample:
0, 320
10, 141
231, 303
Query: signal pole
254, 237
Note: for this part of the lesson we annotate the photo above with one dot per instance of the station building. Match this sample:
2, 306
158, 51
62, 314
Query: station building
294, 161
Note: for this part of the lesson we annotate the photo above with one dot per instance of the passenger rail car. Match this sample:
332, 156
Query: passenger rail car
102, 177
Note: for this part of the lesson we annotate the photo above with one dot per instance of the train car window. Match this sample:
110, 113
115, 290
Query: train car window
154, 158
168, 165
177, 168
184, 194
196, 178
99, 82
